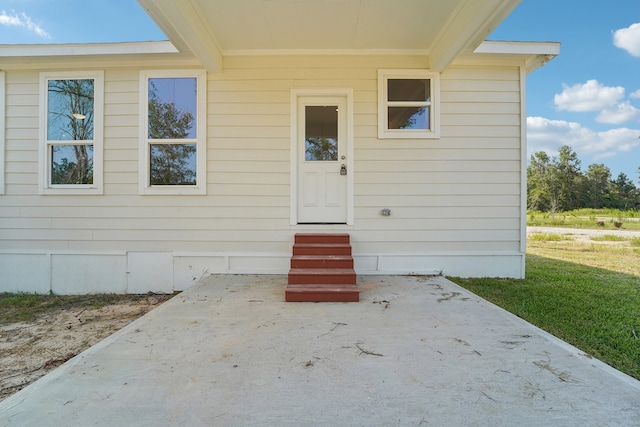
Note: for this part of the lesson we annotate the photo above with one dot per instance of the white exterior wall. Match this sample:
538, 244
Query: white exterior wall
455, 202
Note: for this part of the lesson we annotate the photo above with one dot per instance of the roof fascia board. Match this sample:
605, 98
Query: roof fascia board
519, 48
469, 25
86, 49
181, 22
534, 54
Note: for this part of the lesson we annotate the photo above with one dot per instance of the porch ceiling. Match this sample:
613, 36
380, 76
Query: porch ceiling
212, 29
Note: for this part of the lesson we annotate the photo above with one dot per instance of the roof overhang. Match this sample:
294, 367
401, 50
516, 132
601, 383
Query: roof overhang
530, 55
439, 30
25, 56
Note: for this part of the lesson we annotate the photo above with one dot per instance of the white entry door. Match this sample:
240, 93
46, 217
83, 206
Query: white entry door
322, 160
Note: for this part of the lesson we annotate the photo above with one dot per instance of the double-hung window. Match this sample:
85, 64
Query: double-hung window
71, 125
172, 135
408, 104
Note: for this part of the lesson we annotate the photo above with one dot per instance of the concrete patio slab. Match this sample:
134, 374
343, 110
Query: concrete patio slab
416, 351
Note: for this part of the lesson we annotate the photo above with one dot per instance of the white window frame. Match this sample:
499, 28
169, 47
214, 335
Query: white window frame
144, 165
2, 129
383, 103
44, 185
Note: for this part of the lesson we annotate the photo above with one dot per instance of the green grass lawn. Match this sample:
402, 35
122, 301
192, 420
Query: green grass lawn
587, 295
606, 219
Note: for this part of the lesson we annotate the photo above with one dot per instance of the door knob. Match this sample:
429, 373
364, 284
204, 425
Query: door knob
343, 169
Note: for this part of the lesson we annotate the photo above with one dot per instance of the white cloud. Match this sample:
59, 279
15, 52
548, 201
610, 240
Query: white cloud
22, 20
591, 96
548, 135
635, 94
628, 39
621, 113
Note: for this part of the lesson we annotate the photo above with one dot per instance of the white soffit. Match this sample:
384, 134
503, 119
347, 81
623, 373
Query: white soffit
440, 29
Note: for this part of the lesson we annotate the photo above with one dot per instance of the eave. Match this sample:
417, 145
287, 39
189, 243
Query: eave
461, 26
61, 56
531, 54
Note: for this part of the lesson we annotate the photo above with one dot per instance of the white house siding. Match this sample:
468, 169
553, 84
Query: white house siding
455, 202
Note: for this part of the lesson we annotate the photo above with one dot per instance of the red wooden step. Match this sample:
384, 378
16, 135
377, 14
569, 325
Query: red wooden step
322, 269
322, 293
322, 249
322, 261
321, 238
322, 275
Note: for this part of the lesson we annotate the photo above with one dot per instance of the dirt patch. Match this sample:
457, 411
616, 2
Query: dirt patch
29, 350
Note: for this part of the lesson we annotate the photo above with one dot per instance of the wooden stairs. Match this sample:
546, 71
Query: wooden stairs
322, 269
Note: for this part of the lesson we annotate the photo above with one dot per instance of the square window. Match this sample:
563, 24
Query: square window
71, 132
172, 135
407, 104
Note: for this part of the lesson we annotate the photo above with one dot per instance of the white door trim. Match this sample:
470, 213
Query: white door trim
328, 92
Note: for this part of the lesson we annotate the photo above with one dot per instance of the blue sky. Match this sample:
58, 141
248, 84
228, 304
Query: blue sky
587, 98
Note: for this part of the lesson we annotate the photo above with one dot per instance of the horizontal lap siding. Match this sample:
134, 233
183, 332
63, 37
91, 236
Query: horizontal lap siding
457, 193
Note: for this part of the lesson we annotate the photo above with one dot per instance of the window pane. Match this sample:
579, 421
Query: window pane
72, 164
173, 164
321, 133
70, 110
172, 108
409, 90
409, 118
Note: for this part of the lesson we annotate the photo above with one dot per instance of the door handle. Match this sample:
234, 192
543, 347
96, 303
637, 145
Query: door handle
343, 169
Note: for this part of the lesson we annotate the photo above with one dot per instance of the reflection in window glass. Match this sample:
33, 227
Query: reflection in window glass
71, 164
70, 110
409, 90
172, 108
173, 164
408, 118
321, 133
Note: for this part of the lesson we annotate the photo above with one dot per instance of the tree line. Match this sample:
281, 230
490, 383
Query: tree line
557, 184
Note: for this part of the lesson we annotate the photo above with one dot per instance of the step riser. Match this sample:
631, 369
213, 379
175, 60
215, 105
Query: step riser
310, 278
309, 249
322, 263
322, 238
310, 296
322, 293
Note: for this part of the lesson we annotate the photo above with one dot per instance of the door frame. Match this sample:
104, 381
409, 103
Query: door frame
296, 94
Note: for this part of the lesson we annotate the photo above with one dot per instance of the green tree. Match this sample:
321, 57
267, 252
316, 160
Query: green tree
623, 192
568, 178
538, 182
597, 186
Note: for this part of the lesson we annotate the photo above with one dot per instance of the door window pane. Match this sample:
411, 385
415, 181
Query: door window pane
321, 133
